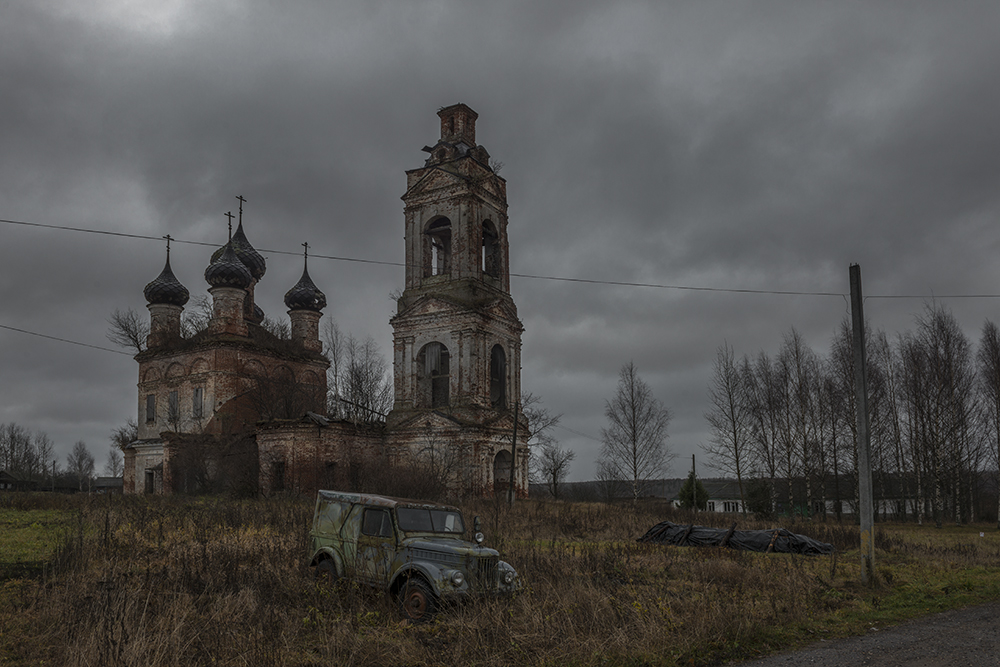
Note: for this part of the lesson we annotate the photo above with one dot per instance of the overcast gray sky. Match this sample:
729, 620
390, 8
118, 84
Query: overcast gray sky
733, 145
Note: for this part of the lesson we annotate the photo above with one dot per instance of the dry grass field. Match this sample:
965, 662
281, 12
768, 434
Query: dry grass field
148, 581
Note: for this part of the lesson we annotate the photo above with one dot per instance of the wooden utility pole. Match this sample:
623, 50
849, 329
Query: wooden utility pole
865, 505
513, 459
694, 485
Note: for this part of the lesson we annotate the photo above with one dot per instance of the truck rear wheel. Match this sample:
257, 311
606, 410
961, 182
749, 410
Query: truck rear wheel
326, 572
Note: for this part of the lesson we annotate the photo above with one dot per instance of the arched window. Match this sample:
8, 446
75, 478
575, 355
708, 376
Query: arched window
491, 250
437, 248
433, 376
498, 377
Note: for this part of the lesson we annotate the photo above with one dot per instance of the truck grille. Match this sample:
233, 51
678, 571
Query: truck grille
488, 573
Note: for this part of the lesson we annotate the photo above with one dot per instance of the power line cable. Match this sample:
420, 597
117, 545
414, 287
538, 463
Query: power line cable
64, 340
618, 283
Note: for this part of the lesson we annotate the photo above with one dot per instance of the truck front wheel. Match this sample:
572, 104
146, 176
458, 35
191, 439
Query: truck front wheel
416, 601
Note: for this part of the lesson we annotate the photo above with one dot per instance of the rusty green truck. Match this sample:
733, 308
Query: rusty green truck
415, 551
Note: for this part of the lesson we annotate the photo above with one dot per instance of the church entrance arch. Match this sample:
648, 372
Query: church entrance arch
501, 472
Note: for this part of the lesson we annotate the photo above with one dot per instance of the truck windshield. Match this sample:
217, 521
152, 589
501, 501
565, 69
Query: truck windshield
429, 521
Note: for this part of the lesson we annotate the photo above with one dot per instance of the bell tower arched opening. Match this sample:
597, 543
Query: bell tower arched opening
491, 250
498, 377
437, 248
433, 376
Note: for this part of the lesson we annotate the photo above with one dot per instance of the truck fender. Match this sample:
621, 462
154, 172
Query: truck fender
426, 571
328, 553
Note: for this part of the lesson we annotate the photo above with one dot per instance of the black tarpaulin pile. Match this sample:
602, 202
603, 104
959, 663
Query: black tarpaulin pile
776, 540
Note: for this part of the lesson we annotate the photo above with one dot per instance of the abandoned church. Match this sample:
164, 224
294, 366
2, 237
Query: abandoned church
236, 406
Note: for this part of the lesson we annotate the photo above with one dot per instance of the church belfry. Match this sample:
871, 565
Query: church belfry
456, 334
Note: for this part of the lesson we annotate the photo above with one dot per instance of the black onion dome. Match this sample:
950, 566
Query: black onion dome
246, 253
166, 289
305, 295
227, 270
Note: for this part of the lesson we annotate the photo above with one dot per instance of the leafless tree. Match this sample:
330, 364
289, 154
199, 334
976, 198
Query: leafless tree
129, 329
635, 440
989, 387
197, 315
43, 452
80, 463
549, 463
333, 347
553, 465
365, 386
610, 486
278, 395
123, 436
279, 328
940, 396
17, 454
729, 419
114, 465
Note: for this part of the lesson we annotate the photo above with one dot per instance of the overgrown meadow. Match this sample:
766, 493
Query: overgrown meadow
150, 581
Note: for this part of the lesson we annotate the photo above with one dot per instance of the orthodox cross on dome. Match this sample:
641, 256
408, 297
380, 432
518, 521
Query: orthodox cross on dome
305, 253
242, 201
169, 238
229, 214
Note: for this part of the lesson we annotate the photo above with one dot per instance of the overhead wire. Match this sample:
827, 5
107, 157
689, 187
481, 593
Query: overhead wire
588, 281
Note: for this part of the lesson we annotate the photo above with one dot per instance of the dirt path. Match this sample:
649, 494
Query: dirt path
969, 636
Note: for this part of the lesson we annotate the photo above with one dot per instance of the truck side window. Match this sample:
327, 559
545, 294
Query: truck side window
377, 523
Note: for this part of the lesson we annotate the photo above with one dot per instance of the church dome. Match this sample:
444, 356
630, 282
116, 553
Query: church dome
305, 295
226, 269
246, 253
166, 289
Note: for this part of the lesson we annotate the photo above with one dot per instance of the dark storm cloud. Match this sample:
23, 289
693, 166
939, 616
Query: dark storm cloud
761, 146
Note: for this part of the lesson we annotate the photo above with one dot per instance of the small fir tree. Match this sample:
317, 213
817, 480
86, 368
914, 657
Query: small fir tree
693, 493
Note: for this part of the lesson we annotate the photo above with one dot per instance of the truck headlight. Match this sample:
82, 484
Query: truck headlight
508, 577
457, 578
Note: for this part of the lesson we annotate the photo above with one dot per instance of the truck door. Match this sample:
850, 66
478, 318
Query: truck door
376, 546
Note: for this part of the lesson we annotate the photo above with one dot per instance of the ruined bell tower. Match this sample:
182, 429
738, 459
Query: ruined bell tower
456, 334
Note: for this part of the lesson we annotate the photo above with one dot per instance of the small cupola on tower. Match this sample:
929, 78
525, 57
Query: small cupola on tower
458, 125
254, 262
305, 302
229, 279
165, 298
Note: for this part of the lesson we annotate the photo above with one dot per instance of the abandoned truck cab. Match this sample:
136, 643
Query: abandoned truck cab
415, 551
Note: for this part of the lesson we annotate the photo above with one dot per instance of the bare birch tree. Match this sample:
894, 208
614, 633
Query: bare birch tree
729, 420
80, 463
635, 440
989, 387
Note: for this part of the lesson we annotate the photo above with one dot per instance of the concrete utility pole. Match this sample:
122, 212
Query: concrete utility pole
866, 505
513, 459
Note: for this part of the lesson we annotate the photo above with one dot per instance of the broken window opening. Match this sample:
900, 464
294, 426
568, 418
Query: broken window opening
491, 250
433, 376
197, 403
437, 254
173, 409
498, 377
150, 408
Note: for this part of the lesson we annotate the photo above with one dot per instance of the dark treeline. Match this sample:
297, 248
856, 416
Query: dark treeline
29, 463
785, 425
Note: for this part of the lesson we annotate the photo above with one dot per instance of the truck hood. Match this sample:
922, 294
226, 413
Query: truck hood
449, 545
